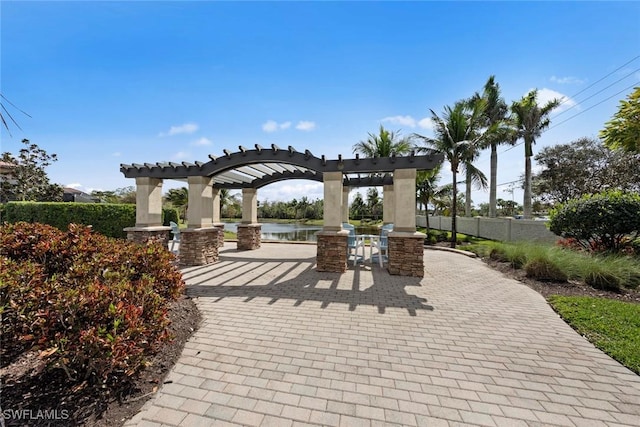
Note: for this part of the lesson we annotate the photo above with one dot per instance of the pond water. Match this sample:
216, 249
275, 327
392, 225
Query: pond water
289, 232
293, 232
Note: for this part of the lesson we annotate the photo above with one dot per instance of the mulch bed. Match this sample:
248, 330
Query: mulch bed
26, 387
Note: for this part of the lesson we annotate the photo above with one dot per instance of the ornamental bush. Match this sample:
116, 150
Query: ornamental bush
91, 305
604, 222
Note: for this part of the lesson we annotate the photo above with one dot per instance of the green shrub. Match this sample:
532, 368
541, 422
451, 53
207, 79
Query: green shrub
168, 215
544, 269
600, 222
105, 218
94, 306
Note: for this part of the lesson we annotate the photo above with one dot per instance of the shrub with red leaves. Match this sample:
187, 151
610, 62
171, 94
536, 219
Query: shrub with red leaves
92, 305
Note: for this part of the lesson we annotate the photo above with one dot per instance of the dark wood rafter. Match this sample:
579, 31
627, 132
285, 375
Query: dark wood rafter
260, 167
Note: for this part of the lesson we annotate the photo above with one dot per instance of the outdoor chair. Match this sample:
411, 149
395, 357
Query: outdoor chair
175, 230
382, 244
353, 243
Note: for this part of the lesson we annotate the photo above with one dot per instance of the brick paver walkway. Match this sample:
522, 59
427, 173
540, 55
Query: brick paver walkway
282, 344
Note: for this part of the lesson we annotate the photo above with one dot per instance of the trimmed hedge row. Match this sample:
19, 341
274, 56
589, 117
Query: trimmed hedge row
105, 218
91, 305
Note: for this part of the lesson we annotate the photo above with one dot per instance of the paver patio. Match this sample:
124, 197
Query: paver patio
282, 344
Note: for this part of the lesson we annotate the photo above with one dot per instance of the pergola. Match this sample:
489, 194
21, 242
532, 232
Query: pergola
250, 170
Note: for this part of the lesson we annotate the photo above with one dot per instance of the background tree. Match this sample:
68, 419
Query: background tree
428, 191
119, 195
530, 120
358, 207
456, 134
584, 166
623, 131
28, 180
384, 144
179, 199
374, 207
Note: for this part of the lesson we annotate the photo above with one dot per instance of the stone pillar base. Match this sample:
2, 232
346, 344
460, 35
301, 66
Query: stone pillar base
332, 251
159, 234
406, 254
199, 246
220, 226
249, 236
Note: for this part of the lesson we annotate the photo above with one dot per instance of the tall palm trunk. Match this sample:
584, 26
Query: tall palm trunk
467, 196
527, 188
454, 206
526, 203
493, 184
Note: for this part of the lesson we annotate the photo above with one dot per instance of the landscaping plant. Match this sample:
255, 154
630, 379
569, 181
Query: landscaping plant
93, 306
604, 222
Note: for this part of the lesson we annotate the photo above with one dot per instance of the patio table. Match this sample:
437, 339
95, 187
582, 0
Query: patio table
374, 241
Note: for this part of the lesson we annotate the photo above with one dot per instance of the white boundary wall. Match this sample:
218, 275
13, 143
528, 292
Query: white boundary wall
503, 229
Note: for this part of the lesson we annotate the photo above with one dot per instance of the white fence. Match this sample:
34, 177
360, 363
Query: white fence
503, 229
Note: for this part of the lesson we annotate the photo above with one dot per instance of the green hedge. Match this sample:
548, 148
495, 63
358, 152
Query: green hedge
105, 218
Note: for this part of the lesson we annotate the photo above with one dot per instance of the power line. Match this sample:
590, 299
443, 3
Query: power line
593, 106
600, 91
602, 78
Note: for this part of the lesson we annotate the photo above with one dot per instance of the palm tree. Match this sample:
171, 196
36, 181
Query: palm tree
225, 198
530, 120
474, 176
179, 198
500, 131
428, 190
384, 144
456, 134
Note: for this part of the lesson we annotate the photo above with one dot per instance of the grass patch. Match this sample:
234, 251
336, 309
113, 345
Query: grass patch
612, 326
609, 272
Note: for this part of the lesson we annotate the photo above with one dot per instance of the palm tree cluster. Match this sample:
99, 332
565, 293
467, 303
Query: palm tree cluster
461, 132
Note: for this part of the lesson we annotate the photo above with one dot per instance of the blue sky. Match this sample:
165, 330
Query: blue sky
121, 82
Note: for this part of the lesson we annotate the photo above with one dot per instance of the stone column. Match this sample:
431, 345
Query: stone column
332, 201
148, 202
200, 211
148, 226
215, 195
388, 205
332, 240
404, 194
199, 242
199, 246
406, 246
249, 230
345, 204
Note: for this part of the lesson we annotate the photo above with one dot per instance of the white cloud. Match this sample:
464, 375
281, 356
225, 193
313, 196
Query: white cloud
117, 154
202, 141
567, 80
545, 95
187, 128
401, 120
285, 191
270, 126
426, 123
75, 185
180, 155
305, 125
